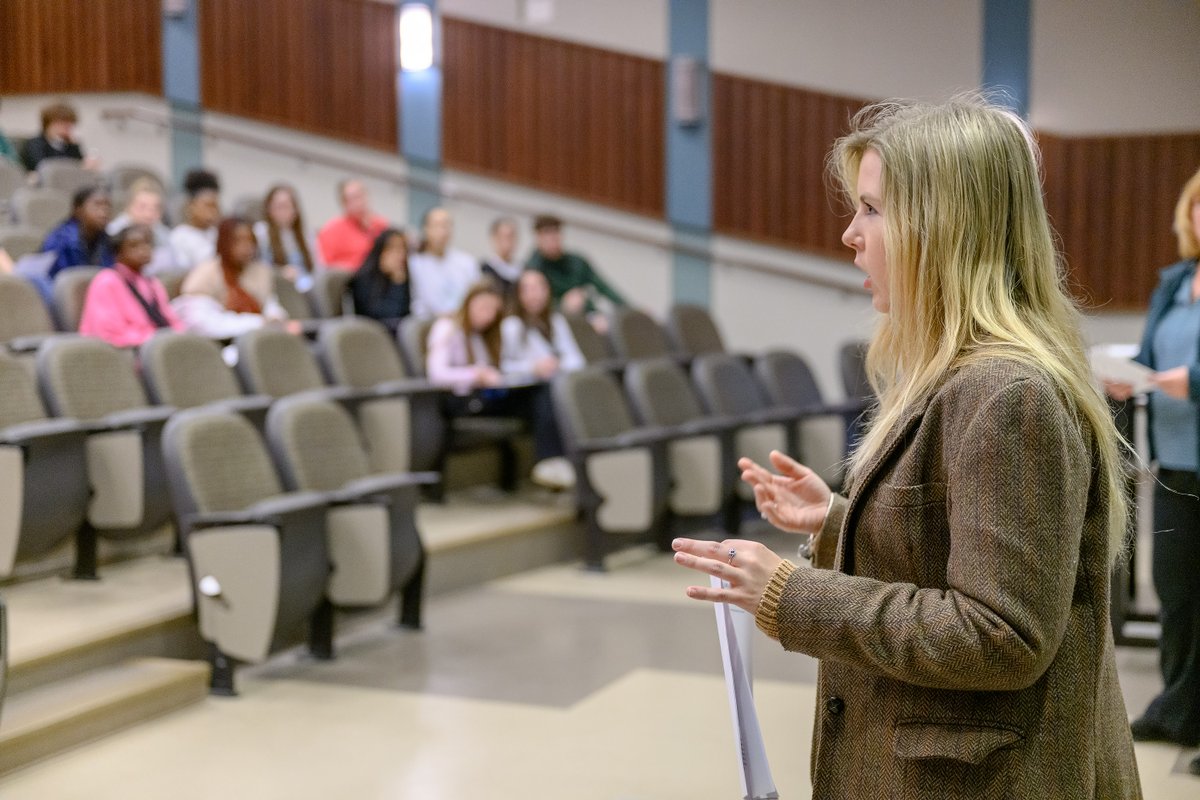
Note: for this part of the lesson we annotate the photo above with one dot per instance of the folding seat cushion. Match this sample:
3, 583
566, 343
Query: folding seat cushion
413, 336
44, 487
823, 439
373, 539
727, 387
91, 381
702, 458
329, 292
276, 363
621, 472
693, 330
403, 426
185, 370
70, 293
635, 335
595, 348
24, 318
40, 208
259, 560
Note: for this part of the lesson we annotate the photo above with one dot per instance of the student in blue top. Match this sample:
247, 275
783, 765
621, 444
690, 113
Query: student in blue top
81, 239
1171, 345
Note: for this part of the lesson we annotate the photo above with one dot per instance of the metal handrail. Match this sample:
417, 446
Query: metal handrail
403, 178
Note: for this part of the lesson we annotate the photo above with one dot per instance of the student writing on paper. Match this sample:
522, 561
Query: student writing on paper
1171, 345
960, 601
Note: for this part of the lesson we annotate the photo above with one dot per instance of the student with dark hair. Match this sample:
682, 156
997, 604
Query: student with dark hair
234, 292
195, 239
81, 239
344, 241
282, 239
381, 286
57, 139
125, 307
501, 265
441, 274
572, 278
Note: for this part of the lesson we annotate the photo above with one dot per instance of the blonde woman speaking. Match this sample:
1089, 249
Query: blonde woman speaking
960, 602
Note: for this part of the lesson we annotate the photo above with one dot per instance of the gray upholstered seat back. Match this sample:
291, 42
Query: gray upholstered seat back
852, 359
316, 444
41, 208
65, 174
19, 400
87, 378
23, 241
593, 346
636, 335
590, 405
329, 291
414, 339
787, 379
276, 363
22, 312
293, 302
359, 352
694, 330
70, 292
726, 385
185, 370
219, 462
660, 392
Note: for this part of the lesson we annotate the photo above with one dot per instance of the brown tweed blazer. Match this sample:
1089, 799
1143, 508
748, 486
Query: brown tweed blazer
960, 608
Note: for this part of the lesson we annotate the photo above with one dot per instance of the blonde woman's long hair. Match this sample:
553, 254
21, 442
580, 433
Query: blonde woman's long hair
1189, 246
973, 272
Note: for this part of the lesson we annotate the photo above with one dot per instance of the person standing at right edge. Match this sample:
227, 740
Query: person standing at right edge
960, 601
1171, 345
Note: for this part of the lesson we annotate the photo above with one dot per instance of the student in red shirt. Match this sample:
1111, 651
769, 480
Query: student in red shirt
124, 307
345, 241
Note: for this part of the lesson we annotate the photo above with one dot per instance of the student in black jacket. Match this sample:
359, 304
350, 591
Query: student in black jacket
57, 139
381, 285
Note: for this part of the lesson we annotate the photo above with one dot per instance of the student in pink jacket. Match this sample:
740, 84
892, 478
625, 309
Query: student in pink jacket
124, 307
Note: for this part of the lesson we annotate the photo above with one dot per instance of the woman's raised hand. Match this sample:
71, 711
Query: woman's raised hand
794, 498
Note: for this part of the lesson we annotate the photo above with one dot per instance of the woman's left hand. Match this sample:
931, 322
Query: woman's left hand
747, 570
1173, 382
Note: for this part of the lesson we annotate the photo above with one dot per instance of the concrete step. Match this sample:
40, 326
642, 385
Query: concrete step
40, 722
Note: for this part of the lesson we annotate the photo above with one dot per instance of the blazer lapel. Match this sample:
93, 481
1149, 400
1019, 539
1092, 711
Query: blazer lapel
844, 560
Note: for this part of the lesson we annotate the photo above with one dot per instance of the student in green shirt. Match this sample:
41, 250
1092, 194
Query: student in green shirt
570, 275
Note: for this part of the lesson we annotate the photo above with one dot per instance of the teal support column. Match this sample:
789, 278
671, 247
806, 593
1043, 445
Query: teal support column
421, 124
689, 151
1006, 38
181, 87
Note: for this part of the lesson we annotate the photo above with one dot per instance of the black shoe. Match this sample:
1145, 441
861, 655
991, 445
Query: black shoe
1194, 766
1144, 730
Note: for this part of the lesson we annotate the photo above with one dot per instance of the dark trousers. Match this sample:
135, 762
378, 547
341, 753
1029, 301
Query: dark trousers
530, 403
1176, 568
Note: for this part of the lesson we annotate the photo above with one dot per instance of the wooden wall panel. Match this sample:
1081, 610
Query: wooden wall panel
49, 46
555, 115
325, 66
1112, 202
769, 148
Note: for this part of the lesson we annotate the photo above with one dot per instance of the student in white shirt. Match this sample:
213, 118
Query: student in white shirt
440, 275
145, 207
537, 341
195, 241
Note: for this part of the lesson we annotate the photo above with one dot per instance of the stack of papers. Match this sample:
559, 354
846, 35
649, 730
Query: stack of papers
1114, 362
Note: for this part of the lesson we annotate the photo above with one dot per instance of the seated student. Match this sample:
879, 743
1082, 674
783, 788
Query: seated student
463, 355
145, 207
344, 241
232, 293
441, 275
80, 240
537, 341
282, 239
501, 265
124, 306
57, 139
381, 287
195, 239
570, 275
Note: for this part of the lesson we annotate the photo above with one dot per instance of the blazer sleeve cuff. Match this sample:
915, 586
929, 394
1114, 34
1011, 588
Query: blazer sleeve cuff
1194, 383
825, 544
766, 617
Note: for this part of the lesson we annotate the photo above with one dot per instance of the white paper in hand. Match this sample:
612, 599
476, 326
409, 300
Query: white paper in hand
1114, 362
735, 629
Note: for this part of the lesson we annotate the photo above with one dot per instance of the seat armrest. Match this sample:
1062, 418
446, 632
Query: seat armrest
244, 403
708, 426
40, 429
406, 386
28, 344
271, 511
139, 417
381, 485
638, 437
779, 415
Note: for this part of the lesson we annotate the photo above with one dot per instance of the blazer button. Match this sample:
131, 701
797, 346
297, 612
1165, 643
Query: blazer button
835, 706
